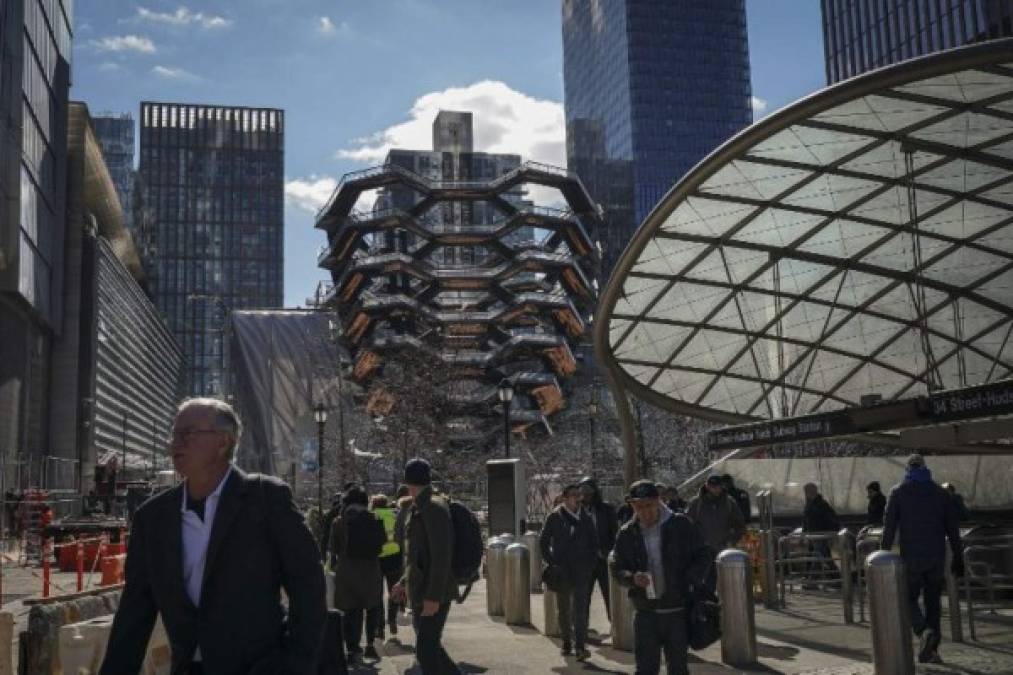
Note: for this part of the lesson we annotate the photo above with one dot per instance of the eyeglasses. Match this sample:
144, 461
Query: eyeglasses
184, 436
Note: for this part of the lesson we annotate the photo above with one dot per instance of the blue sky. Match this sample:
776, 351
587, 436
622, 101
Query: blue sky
357, 76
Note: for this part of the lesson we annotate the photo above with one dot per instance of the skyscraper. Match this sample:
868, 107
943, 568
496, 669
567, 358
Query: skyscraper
212, 182
651, 87
863, 36
35, 53
115, 134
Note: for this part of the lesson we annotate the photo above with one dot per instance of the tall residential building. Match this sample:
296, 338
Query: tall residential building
115, 134
212, 183
651, 87
35, 54
859, 36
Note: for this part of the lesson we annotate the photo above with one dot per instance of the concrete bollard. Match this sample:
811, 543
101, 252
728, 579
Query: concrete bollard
846, 543
889, 614
768, 542
953, 600
551, 610
517, 586
530, 539
495, 566
738, 624
621, 608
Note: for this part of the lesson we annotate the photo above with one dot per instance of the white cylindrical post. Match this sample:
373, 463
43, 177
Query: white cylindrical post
495, 568
889, 613
738, 624
530, 540
621, 609
517, 586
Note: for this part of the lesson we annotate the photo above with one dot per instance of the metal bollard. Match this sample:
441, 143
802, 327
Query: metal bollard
738, 624
517, 586
551, 610
508, 537
495, 566
953, 600
889, 614
769, 549
846, 543
621, 608
530, 539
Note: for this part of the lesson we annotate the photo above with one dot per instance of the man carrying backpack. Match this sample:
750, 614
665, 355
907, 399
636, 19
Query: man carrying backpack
428, 583
357, 537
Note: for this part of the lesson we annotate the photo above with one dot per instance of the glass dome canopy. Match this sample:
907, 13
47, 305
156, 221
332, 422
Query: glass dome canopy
859, 241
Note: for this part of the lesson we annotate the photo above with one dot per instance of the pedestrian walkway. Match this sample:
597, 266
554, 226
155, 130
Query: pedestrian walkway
808, 638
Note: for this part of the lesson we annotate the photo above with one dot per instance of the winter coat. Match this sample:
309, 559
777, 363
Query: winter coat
429, 550
719, 519
927, 517
877, 506
570, 543
357, 581
819, 516
741, 498
687, 559
603, 515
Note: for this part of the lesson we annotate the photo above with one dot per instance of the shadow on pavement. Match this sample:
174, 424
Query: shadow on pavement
779, 652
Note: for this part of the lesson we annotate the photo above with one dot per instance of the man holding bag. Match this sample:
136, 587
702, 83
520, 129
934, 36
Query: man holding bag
662, 558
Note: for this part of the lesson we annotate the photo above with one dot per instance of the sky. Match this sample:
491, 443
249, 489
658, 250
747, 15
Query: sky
356, 77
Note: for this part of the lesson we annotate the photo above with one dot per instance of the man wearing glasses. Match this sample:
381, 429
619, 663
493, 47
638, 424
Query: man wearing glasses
211, 556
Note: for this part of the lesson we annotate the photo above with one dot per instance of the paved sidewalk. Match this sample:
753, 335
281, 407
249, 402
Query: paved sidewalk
809, 638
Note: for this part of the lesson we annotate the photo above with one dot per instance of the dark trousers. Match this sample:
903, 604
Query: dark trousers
927, 585
572, 606
351, 630
391, 568
432, 657
600, 575
655, 632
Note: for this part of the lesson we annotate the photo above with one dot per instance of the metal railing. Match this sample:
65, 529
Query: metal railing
988, 578
806, 559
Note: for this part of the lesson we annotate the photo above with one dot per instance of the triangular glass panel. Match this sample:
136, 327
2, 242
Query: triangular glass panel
667, 256
965, 130
964, 266
778, 227
842, 238
965, 219
886, 159
826, 146
709, 217
689, 301
639, 292
831, 192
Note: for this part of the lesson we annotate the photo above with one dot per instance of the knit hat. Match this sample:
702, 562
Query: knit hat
915, 461
417, 472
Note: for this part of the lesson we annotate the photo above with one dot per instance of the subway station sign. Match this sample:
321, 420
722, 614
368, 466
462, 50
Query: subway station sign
979, 402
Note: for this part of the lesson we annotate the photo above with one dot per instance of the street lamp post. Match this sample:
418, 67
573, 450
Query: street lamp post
506, 395
320, 414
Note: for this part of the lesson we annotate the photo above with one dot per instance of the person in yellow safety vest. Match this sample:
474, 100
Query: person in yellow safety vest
391, 566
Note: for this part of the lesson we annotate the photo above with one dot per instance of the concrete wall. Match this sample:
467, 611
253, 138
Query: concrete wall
985, 481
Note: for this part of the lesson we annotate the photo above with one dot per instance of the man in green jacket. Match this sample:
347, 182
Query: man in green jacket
428, 582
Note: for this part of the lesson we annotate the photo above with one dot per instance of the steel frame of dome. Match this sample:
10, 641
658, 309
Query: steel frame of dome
857, 241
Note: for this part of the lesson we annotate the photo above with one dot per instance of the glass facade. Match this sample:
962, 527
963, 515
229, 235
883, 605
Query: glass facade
115, 134
862, 35
212, 183
651, 87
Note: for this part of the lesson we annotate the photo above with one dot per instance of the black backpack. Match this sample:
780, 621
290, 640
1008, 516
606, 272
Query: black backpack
467, 558
365, 536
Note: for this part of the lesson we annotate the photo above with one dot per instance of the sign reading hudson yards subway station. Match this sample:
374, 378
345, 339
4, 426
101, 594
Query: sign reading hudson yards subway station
987, 400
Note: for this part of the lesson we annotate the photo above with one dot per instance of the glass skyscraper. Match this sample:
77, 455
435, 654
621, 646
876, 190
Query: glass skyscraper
115, 134
651, 87
212, 183
859, 36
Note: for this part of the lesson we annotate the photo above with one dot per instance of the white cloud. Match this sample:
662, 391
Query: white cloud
759, 104
506, 121
125, 43
174, 74
309, 194
109, 66
183, 17
326, 26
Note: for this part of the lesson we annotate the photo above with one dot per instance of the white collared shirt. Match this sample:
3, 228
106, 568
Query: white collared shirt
196, 535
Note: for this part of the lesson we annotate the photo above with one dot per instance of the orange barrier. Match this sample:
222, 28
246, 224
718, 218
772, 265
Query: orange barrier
112, 569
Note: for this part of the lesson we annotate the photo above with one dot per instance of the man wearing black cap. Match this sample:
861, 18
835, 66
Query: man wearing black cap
663, 559
927, 518
428, 582
569, 545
